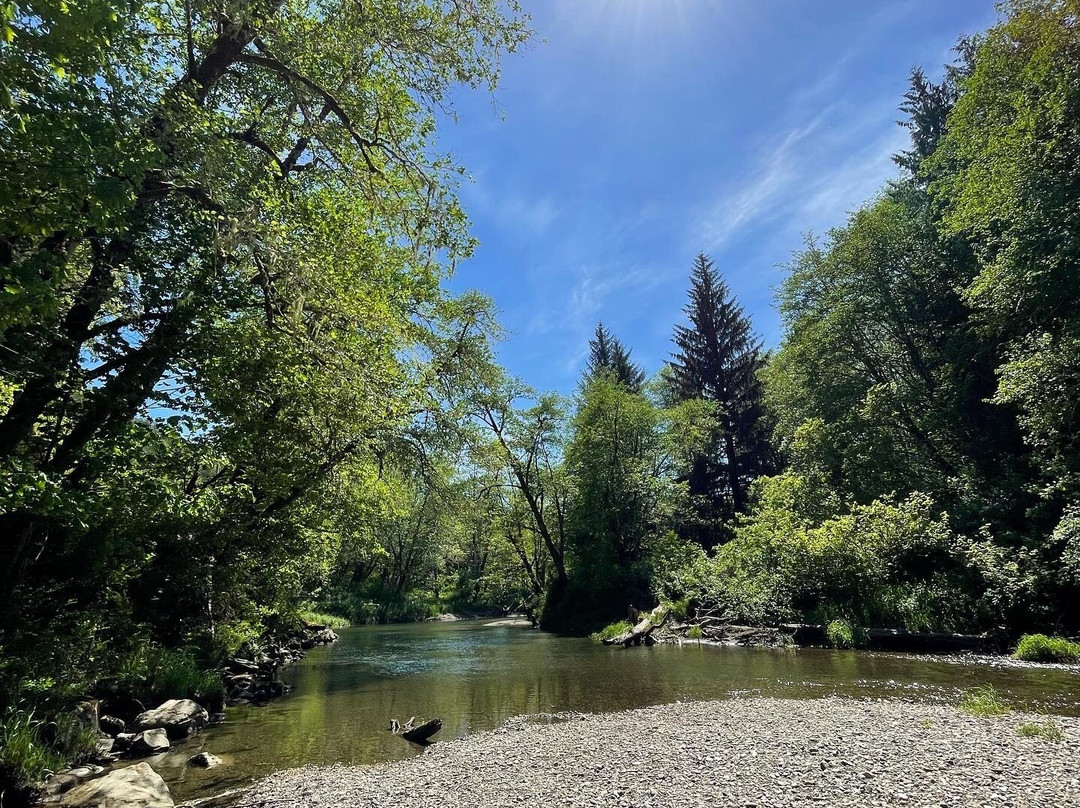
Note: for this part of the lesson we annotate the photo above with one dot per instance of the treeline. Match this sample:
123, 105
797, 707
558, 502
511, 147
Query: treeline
906, 457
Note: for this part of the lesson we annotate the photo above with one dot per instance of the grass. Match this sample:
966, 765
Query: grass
156, 674
312, 617
32, 747
984, 701
25, 758
1040, 648
611, 631
1046, 729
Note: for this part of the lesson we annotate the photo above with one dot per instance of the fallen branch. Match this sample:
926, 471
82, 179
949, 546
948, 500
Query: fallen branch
640, 633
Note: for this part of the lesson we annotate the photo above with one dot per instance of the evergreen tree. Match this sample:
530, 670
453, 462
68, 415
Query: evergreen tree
608, 354
718, 360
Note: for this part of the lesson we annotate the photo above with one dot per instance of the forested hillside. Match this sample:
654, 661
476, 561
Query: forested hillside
234, 386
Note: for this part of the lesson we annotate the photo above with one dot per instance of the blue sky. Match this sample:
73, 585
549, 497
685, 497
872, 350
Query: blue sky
633, 134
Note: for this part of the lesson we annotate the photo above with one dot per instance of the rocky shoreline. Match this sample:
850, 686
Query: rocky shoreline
128, 730
766, 753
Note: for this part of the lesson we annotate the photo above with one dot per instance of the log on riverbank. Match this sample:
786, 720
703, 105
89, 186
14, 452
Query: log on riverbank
423, 733
642, 632
812, 635
416, 734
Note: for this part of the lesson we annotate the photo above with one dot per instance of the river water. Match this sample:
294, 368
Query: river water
475, 674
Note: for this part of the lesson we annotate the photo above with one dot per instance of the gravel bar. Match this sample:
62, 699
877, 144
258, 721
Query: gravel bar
741, 752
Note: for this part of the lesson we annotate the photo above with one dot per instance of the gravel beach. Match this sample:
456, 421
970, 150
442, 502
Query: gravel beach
740, 752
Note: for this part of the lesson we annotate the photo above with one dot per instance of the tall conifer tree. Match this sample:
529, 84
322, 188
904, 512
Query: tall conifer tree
607, 353
718, 359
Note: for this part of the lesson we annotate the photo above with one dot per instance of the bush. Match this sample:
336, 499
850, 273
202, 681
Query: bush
312, 617
156, 674
843, 634
984, 701
1040, 648
611, 631
1047, 729
886, 563
693, 633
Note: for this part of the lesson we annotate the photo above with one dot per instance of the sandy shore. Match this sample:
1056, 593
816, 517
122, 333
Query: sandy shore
742, 752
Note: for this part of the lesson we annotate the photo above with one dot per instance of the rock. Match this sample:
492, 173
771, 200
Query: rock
136, 786
86, 713
204, 760
59, 783
122, 742
85, 772
178, 717
242, 666
150, 742
218, 718
104, 747
111, 725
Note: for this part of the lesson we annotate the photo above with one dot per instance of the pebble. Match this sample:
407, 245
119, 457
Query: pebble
729, 754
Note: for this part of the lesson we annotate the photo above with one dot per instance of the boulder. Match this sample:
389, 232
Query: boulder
178, 717
111, 725
136, 786
86, 713
122, 742
150, 742
242, 666
204, 760
106, 753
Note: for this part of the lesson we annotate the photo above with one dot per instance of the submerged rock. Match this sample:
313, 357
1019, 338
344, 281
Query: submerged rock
136, 786
204, 760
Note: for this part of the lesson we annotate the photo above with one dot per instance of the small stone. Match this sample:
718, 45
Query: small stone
204, 760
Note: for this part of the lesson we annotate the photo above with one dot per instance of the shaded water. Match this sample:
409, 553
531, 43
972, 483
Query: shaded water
475, 676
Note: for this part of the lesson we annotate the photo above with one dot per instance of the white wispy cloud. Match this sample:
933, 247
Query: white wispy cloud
750, 197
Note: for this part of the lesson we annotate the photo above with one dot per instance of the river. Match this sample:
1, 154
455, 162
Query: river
474, 675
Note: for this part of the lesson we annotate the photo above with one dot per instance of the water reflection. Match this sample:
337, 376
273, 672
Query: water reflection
474, 677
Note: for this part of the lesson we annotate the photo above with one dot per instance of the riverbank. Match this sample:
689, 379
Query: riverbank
759, 752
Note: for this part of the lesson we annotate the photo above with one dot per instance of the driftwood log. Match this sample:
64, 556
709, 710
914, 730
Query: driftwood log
416, 734
641, 632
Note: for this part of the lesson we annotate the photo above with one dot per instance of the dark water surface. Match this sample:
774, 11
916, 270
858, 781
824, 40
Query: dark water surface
474, 676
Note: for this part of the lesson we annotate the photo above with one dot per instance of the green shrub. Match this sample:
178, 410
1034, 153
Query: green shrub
1040, 648
842, 633
155, 674
693, 633
885, 563
312, 617
678, 609
1046, 729
984, 701
611, 631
